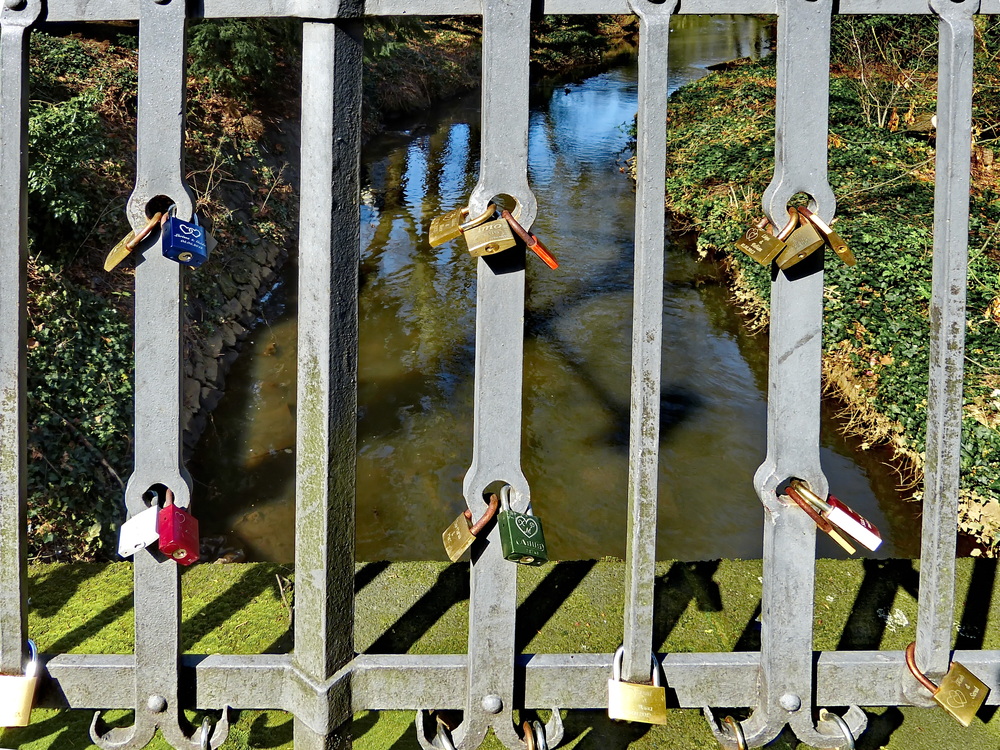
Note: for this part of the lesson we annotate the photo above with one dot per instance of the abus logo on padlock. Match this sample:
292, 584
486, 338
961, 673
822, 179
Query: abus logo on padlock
183, 241
520, 533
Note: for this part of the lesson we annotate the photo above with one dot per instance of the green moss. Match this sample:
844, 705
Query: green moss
569, 607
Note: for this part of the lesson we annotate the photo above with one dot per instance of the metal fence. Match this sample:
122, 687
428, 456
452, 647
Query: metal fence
323, 681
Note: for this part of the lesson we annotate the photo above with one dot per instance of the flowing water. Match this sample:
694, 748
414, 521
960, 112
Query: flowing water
417, 319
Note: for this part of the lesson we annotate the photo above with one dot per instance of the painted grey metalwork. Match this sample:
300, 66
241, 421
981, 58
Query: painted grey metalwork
127, 10
947, 346
496, 447
14, 30
794, 388
158, 441
647, 335
323, 681
329, 255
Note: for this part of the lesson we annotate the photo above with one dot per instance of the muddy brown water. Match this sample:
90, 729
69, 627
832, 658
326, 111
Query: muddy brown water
417, 320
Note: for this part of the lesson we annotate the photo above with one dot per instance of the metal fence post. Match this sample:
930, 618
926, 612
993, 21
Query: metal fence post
947, 341
14, 33
329, 257
647, 335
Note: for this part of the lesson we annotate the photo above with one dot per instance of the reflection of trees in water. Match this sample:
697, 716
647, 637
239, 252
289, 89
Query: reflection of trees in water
427, 299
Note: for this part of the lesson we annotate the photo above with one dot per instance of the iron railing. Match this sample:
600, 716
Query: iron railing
324, 681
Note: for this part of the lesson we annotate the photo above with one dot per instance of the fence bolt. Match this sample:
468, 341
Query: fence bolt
492, 704
157, 704
790, 702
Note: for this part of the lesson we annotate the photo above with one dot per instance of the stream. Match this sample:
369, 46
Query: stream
417, 339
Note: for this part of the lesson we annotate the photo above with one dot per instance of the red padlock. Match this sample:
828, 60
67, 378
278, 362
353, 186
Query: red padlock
178, 532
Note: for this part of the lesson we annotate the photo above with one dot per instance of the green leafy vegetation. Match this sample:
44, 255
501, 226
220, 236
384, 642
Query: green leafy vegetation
243, 84
881, 159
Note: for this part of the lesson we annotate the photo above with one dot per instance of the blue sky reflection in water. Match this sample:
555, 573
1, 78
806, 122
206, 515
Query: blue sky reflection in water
417, 311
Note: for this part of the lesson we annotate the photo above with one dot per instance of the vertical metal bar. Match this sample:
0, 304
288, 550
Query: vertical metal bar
329, 256
159, 306
794, 383
647, 335
496, 452
13, 311
947, 344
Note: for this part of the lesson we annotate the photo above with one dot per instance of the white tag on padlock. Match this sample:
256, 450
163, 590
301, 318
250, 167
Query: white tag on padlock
139, 532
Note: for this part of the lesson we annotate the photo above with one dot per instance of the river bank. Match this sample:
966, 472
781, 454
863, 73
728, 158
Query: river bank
242, 150
720, 159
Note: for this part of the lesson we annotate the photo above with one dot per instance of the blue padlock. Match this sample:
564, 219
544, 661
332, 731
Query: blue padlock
184, 241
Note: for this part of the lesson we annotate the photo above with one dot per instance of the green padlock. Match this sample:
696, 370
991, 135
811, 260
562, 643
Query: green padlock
520, 533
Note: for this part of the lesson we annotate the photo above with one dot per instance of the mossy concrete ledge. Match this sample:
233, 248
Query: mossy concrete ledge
422, 608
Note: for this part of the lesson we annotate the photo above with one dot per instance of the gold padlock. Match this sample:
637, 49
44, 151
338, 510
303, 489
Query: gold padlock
761, 245
489, 238
802, 243
451, 225
447, 226
460, 535
628, 701
833, 239
960, 693
17, 693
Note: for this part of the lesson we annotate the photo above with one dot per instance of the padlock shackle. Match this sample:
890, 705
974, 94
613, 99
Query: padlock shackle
541, 741
911, 662
481, 219
505, 493
31, 670
737, 730
793, 221
809, 496
845, 730
528, 737
487, 516
616, 666
444, 736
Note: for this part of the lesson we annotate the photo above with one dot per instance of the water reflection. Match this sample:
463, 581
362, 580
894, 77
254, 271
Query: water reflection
417, 318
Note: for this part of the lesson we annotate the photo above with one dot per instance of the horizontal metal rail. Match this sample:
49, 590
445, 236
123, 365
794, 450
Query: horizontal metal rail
127, 10
394, 682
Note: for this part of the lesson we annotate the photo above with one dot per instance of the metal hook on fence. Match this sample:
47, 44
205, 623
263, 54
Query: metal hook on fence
537, 736
139, 734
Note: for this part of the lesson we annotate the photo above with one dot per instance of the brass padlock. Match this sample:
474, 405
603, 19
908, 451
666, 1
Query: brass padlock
802, 243
130, 242
446, 226
960, 693
761, 245
460, 535
451, 225
832, 239
17, 693
489, 238
628, 701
